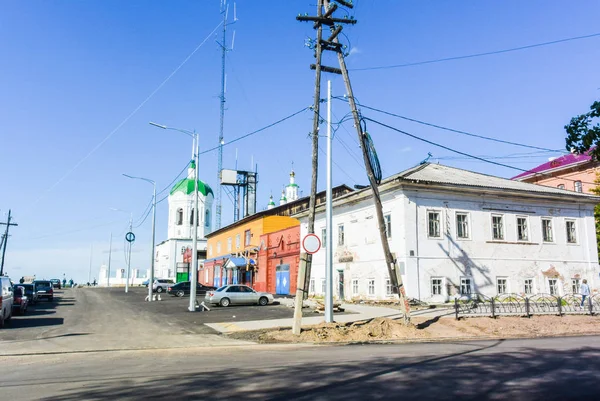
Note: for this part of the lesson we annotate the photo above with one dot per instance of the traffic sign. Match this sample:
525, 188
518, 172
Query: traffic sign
311, 243
130, 237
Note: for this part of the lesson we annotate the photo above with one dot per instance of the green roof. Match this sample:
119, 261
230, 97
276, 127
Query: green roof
187, 187
292, 185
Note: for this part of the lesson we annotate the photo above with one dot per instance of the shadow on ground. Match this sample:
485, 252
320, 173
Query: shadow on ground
480, 372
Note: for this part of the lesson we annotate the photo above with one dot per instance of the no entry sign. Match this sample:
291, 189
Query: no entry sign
311, 243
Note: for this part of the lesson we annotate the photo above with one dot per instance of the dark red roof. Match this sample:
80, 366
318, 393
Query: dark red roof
559, 162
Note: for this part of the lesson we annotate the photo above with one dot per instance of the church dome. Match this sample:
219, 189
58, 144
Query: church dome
187, 184
187, 187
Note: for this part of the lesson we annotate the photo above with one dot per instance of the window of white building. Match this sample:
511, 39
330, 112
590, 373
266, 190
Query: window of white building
433, 224
371, 286
311, 289
502, 285
528, 286
323, 286
522, 228
547, 234
575, 283
436, 286
571, 231
179, 217
388, 287
498, 227
323, 238
462, 225
355, 287
553, 286
341, 238
466, 285
387, 219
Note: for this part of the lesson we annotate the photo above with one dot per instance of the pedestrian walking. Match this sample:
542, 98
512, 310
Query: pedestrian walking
584, 289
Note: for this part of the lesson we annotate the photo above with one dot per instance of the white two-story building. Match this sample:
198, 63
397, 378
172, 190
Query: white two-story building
456, 232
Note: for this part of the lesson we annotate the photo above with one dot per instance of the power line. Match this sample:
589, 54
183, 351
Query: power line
187, 164
463, 153
512, 49
455, 130
257, 131
107, 137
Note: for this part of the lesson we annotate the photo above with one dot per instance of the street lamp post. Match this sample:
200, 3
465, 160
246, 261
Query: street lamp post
129, 245
151, 282
196, 214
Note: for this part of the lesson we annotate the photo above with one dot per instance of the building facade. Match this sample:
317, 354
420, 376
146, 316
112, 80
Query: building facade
173, 256
279, 254
458, 232
571, 172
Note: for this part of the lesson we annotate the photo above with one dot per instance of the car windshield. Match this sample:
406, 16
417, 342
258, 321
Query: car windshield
222, 288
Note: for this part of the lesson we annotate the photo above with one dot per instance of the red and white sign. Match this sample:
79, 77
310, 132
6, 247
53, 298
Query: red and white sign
311, 243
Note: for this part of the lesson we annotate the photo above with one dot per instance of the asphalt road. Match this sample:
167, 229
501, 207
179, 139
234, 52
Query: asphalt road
540, 369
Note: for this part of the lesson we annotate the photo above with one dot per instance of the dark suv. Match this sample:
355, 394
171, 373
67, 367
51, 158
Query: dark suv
55, 283
43, 289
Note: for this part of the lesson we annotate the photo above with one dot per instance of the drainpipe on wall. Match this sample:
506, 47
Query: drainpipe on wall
417, 251
590, 269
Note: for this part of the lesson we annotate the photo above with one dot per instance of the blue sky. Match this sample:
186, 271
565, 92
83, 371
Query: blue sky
72, 72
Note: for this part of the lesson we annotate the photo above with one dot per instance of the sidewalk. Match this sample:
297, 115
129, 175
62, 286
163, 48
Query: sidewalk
360, 312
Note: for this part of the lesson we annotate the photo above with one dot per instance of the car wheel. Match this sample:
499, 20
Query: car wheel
224, 302
159, 290
180, 293
1, 319
263, 301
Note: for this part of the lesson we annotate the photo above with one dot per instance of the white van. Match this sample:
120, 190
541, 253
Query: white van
6, 299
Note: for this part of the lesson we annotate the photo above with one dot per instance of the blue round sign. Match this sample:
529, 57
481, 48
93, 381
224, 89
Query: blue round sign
130, 237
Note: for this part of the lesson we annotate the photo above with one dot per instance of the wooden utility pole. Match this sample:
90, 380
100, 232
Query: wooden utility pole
303, 282
5, 240
333, 44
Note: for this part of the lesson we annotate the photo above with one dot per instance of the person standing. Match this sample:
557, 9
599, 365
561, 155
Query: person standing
584, 289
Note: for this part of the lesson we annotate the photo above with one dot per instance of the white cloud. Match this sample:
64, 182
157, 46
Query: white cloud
406, 149
354, 50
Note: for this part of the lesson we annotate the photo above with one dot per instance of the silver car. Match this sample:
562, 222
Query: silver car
162, 284
236, 294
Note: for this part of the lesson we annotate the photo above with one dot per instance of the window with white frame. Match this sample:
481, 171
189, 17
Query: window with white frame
502, 285
210, 250
436, 286
179, 217
323, 286
371, 286
553, 286
560, 186
433, 224
498, 227
218, 247
355, 287
247, 238
312, 286
323, 237
578, 186
465, 285
528, 286
206, 275
238, 241
547, 234
229, 244
575, 283
462, 225
341, 234
522, 228
388, 287
387, 219
571, 231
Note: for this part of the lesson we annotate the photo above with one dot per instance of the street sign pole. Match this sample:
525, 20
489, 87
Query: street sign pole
130, 242
328, 219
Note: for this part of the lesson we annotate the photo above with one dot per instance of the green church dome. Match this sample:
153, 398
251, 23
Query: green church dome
187, 185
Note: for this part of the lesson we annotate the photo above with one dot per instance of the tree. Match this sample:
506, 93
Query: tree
583, 135
596, 191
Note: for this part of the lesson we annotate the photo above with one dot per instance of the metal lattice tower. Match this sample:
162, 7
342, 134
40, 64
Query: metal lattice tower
222, 116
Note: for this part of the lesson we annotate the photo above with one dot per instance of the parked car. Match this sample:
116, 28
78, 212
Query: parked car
161, 284
146, 283
30, 293
6, 299
20, 300
55, 283
237, 294
43, 288
183, 288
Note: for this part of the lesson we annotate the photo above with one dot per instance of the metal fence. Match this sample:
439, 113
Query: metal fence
518, 305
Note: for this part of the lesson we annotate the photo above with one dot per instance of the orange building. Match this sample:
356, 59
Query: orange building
571, 172
280, 254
